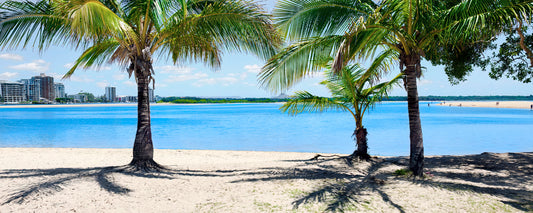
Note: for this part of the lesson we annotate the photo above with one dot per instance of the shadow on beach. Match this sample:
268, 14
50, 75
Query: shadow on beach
54, 179
507, 176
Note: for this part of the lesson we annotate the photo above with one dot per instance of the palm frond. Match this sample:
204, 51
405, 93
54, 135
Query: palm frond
95, 56
194, 47
466, 18
239, 26
27, 21
297, 61
304, 101
92, 20
311, 18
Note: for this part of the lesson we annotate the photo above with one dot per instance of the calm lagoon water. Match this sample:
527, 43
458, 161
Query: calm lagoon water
262, 127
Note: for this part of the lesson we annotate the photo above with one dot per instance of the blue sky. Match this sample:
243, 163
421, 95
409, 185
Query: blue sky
236, 77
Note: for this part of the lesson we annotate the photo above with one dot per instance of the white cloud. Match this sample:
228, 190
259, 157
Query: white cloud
78, 79
6, 75
320, 75
102, 84
36, 66
424, 82
241, 76
70, 65
120, 77
225, 81
11, 57
103, 68
173, 69
57, 76
129, 83
254, 68
186, 77
250, 84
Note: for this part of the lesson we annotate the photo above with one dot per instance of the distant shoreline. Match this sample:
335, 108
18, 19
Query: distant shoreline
64, 105
7, 106
488, 104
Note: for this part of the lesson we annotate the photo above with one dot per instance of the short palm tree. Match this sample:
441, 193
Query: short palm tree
355, 29
132, 32
353, 90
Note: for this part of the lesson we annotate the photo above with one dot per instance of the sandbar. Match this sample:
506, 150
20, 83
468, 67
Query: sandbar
95, 180
489, 104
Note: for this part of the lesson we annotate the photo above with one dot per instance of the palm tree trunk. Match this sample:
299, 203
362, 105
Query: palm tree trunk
361, 152
143, 149
416, 160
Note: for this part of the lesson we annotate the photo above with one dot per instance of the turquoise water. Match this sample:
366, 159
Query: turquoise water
262, 127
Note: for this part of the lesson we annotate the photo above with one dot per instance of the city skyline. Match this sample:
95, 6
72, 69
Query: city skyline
197, 80
58, 92
235, 78
42, 89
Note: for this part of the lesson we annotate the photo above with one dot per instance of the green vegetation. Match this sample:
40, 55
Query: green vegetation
513, 58
196, 100
402, 172
450, 33
355, 90
131, 33
64, 100
267, 207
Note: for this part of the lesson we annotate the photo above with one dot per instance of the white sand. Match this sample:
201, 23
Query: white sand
89, 180
491, 104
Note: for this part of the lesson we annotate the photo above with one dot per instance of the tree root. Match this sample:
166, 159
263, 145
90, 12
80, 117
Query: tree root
358, 156
145, 166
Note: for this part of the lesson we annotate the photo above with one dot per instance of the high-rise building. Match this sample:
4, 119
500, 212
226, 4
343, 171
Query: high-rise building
47, 90
12, 92
32, 89
151, 96
111, 94
59, 89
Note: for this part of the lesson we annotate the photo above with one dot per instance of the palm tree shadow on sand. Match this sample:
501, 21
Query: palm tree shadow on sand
505, 176
53, 180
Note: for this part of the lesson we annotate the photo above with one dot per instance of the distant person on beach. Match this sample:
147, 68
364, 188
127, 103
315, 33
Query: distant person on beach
531, 107
497, 103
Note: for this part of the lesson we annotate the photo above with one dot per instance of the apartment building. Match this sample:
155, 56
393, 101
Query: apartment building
12, 93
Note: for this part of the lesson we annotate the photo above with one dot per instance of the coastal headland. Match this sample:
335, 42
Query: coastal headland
95, 180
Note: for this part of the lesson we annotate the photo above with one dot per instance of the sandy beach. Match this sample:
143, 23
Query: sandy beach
491, 104
93, 180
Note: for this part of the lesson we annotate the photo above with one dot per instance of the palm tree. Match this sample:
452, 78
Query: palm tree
355, 29
131, 32
354, 90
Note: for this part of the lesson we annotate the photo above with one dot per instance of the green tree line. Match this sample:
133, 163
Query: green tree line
196, 100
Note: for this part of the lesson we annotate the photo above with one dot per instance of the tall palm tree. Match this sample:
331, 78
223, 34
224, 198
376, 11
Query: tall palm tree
131, 32
354, 90
355, 29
